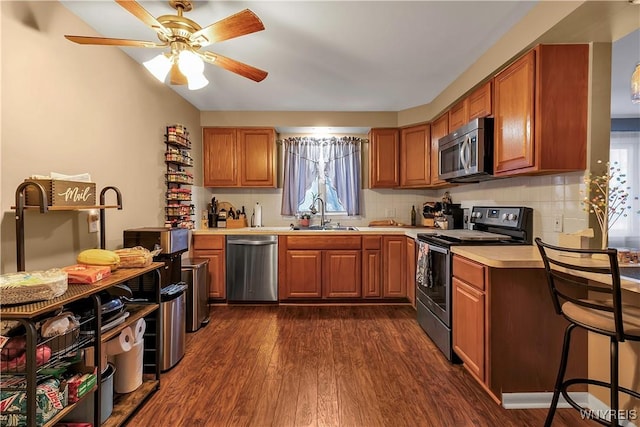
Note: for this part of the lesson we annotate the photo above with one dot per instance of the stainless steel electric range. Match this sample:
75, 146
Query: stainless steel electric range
494, 225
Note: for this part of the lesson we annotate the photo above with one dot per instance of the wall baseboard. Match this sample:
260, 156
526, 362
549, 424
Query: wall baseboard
543, 400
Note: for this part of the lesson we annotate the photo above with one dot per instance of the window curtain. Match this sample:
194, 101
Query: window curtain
301, 164
342, 167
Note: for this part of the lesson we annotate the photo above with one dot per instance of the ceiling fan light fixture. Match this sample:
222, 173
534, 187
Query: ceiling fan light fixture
176, 77
159, 67
635, 85
190, 64
197, 81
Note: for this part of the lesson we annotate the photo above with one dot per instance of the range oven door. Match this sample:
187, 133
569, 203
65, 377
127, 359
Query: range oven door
433, 280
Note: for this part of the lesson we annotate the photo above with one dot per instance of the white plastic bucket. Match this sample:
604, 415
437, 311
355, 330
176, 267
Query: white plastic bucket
129, 369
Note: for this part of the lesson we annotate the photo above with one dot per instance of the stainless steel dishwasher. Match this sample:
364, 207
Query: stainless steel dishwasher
252, 268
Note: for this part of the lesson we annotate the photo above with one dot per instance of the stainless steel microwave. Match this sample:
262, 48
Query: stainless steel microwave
466, 155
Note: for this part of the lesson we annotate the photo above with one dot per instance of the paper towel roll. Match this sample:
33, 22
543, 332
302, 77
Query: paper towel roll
128, 376
138, 330
257, 215
123, 343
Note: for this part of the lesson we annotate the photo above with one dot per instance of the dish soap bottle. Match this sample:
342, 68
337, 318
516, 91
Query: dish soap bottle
413, 215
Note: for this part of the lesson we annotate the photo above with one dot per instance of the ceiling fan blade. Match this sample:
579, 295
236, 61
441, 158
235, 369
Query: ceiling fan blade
139, 12
234, 66
240, 24
113, 42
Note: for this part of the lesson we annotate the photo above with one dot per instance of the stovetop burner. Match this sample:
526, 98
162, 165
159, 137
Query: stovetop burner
493, 226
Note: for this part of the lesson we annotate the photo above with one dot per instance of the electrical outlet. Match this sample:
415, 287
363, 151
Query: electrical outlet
93, 219
390, 213
557, 223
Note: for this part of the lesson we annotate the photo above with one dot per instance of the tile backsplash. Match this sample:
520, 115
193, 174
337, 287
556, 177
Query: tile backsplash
549, 196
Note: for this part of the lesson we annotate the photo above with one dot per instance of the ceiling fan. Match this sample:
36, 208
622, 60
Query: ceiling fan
185, 62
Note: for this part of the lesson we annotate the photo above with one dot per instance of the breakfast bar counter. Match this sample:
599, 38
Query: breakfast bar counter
525, 257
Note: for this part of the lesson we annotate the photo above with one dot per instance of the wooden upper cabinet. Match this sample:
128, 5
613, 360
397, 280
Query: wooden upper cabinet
415, 160
480, 102
219, 157
439, 128
459, 114
477, 104
384, 148
239, 157
541, 112
257, 158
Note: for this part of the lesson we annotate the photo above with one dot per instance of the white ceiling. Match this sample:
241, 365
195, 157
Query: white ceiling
336, 55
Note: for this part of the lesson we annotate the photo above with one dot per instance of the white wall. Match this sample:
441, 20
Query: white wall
70, 109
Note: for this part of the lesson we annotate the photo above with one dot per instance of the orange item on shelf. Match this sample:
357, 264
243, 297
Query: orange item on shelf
87, 274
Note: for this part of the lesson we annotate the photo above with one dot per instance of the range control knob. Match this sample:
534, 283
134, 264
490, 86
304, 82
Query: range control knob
476, 215
505, 216
512, 217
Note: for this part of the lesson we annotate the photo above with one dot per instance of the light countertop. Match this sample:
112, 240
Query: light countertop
522, 257
402, 231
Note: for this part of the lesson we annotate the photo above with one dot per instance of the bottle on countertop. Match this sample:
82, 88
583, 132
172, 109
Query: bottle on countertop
413, 215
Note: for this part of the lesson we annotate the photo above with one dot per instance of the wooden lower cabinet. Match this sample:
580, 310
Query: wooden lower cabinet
468, 326
394, 267
371, 266
303, 274
502, 318
319, 267
212, 248
411, 270
341, 274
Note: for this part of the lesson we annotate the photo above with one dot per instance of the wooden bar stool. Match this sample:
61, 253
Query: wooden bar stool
569, 269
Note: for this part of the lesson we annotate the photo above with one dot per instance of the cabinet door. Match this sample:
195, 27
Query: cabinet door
219, 167
415, 161
411, 271
480, 102
384, 147
394, 283
459, 115
468, 327
371, 266
217, 272
257, 159
341, 274
514, 108
303, 274
439, 128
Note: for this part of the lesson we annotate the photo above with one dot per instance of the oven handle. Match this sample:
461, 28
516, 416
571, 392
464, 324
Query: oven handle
439, 249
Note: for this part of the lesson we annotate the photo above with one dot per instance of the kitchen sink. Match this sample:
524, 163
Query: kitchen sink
327, 228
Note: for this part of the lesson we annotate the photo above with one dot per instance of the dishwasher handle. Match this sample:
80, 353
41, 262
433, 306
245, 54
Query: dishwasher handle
251, 242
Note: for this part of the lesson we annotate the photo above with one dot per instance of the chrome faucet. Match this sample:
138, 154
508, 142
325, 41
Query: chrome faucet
314, 211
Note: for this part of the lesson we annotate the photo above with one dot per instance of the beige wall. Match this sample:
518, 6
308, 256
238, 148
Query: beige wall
70, 109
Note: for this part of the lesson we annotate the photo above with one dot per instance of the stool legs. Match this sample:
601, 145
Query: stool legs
561, 372
614, 382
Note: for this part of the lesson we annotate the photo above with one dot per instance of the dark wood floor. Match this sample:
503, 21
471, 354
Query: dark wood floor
323, 366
